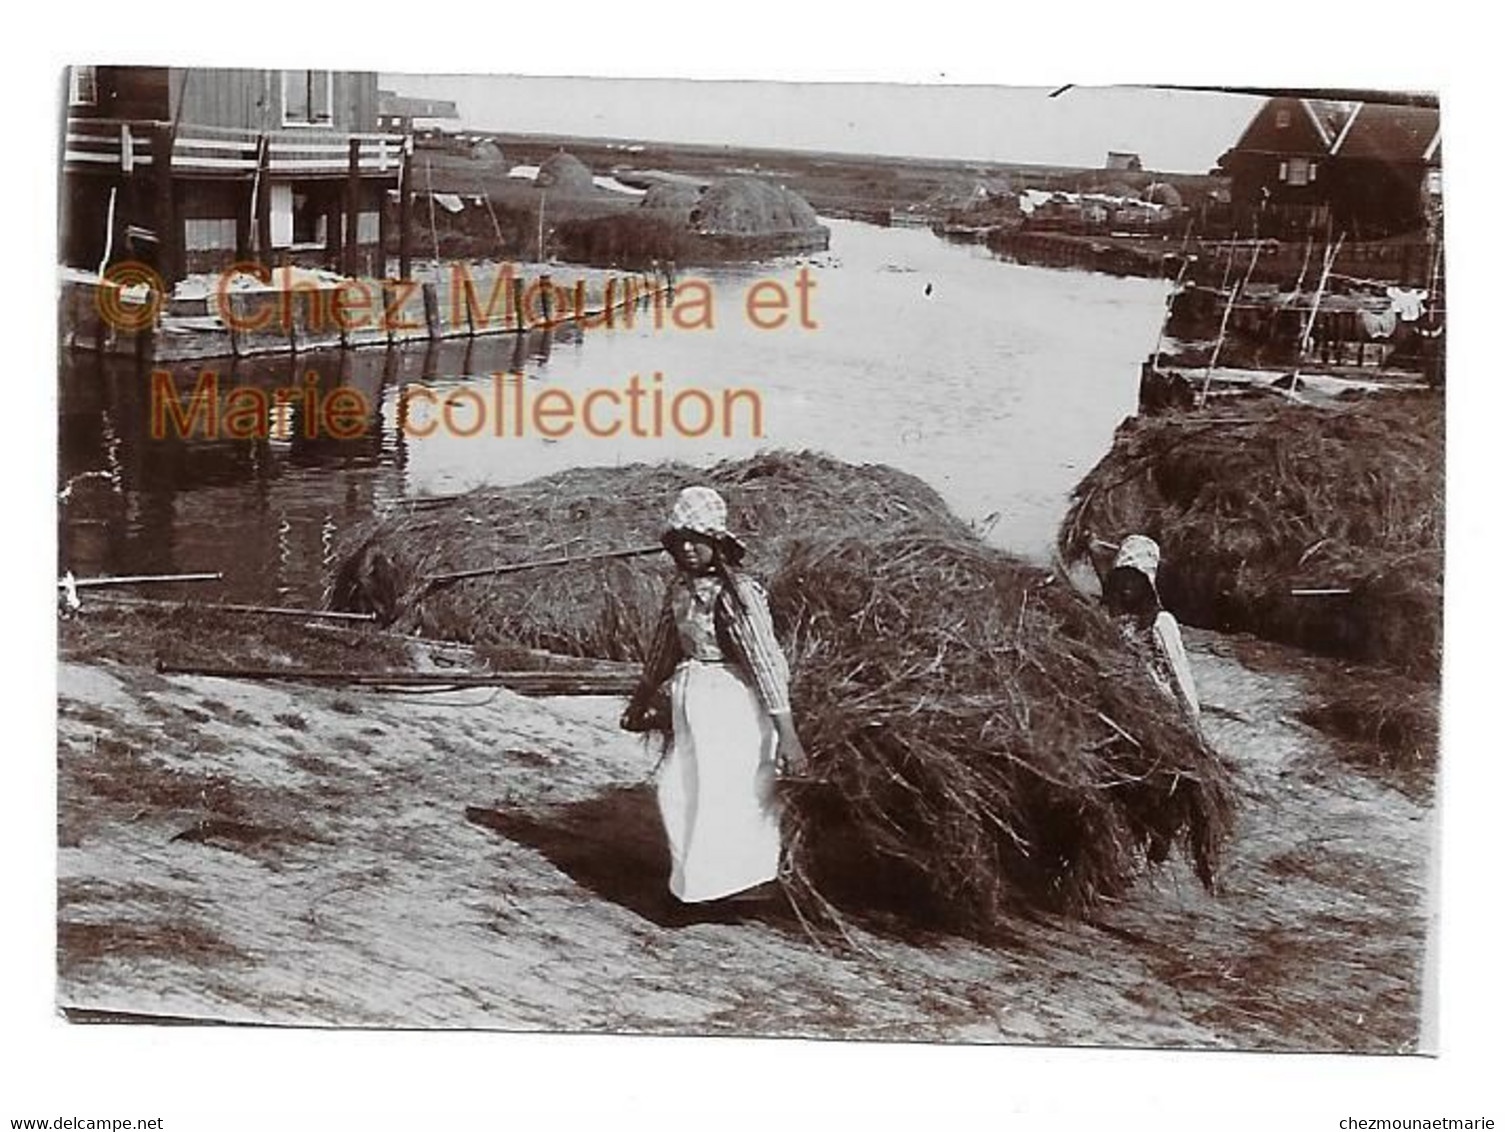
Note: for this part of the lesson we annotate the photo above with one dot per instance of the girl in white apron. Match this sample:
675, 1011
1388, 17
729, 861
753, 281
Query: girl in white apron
1132, 597
732, 731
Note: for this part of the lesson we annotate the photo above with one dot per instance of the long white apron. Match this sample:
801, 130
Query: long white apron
716, 786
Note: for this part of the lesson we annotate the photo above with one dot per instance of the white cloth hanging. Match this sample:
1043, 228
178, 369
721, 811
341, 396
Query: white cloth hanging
1406, 301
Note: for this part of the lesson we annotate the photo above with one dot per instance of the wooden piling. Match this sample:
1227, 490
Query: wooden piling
431, 310
405, 213
519, 304
264, 202
351, 265
383, 234
169, 244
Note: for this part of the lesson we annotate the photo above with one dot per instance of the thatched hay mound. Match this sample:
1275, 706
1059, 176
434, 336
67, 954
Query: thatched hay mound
1162, 192
747, 206
1346, 500
599, 609
982, 738
487, 151
564, 173
672, 196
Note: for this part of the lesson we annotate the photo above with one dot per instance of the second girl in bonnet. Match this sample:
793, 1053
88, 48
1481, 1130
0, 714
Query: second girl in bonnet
732, 730
1133, 598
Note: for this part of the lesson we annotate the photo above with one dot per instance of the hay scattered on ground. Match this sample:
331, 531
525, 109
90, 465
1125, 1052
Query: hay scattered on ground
982, 738
605, 610
1289, 498
1389, 726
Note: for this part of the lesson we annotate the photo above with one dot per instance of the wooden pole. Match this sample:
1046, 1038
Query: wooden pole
616, 680
428, 168
263, 194
383, 233
436, 580
140, 579
168, 241
351, 265
405, 212
235, 607
334, 233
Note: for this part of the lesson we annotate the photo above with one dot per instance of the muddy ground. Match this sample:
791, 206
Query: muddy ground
270, 853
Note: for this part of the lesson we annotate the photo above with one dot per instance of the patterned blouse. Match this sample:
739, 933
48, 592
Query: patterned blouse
687, 631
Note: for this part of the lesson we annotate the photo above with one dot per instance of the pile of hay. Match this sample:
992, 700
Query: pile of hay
564, 173
602, 609
672, 196
747, 206
1162, 192
1290, 498
982, 739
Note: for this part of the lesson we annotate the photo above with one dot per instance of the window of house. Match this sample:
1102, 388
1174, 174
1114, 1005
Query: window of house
83, 86
1282, 119
308, 221
1298, 171
307, 98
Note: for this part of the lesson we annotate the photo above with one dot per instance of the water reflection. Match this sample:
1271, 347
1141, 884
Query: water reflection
998, 384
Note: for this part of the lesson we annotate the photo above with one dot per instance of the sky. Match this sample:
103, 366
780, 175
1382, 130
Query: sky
1173, 131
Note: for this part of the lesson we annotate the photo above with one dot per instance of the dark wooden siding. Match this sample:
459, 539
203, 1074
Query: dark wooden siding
252, 100
128, 92
234, 98
1265, 135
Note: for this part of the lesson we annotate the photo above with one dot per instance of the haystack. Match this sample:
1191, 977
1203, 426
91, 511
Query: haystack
564, 173
600, 609
747, 206
982, 739
1318, 527
486, 151
672, 196
1162, 192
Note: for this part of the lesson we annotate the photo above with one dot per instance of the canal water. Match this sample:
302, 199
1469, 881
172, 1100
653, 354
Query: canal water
998, 384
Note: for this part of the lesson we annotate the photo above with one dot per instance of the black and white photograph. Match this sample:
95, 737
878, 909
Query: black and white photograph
526, 580
940, 562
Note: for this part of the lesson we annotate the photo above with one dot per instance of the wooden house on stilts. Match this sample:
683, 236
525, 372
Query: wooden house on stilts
190, 169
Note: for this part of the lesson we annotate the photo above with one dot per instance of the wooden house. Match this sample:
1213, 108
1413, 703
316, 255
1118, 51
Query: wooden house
191, 169
1307, 165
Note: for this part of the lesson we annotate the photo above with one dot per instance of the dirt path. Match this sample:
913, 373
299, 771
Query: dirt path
259, 853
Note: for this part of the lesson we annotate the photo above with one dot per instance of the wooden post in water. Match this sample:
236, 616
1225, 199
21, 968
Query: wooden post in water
431, 310
405, 212
166, 214
334, 233
264, 203
351, 264
546, 298
519, 304
383, 233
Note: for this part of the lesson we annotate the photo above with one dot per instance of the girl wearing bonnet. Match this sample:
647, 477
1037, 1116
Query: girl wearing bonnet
1131, 595
732, 731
